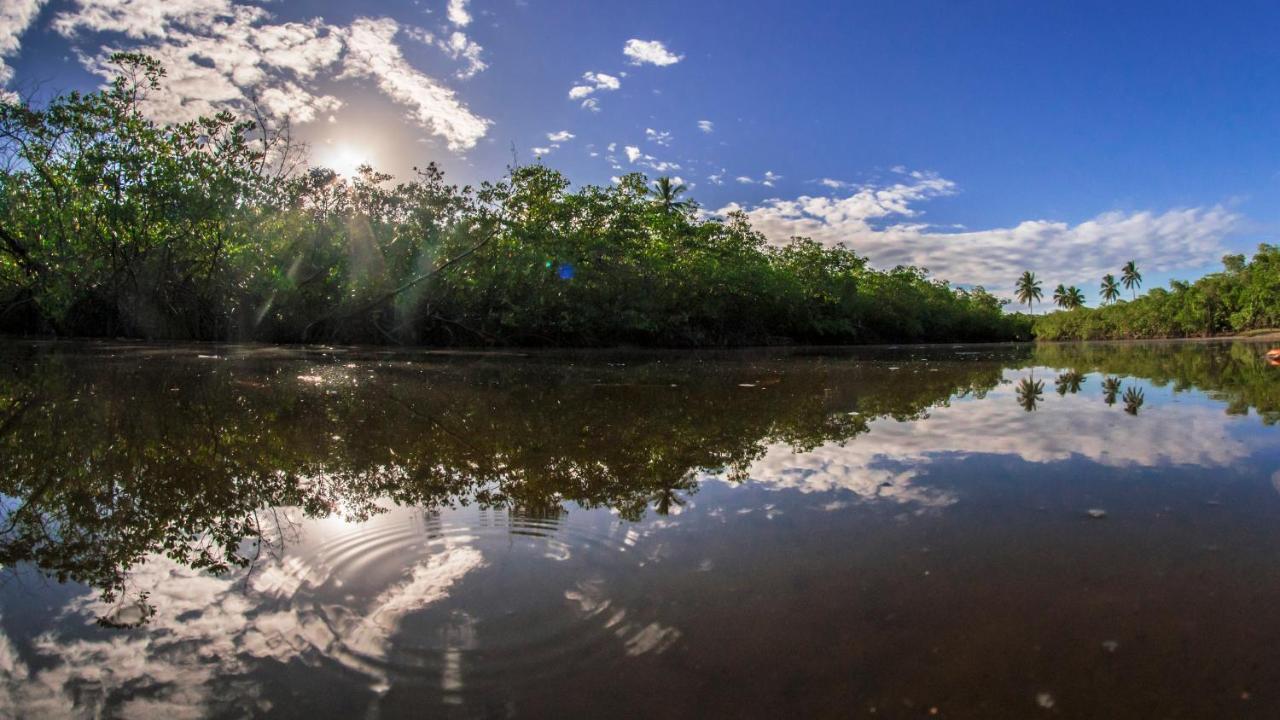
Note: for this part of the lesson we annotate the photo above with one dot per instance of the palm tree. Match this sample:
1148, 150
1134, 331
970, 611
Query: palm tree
1131, 278
1075, 298
1028, 289
1110, 389
667, 192
1030, 392
1133, 400
1110, 289
1060, 295
1069, 382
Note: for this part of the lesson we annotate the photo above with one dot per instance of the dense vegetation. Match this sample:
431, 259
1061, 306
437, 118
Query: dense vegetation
113, 225
1244, 296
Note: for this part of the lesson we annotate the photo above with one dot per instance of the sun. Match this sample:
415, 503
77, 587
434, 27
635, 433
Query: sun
344, 158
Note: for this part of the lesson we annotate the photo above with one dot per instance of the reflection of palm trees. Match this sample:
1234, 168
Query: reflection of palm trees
1030, 392
664, 498
1110, 390
1069, 382
1133, 400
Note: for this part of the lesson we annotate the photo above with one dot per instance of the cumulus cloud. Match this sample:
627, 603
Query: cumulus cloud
882, 222
651, 52
462, 48
767, 180
220, 54
636, 156
561, 136
150, 18
289, 100
593, 82
458, 13
371, 53
706, 126
15, 17
659, 137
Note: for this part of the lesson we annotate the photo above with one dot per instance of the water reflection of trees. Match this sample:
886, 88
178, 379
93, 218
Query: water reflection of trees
1030, 393
1236, 374
108, 455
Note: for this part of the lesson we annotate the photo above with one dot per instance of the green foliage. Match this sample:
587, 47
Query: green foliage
1244, 296
1028, 289
112, 224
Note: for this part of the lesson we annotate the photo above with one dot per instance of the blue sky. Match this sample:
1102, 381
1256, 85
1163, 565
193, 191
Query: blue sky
973, 138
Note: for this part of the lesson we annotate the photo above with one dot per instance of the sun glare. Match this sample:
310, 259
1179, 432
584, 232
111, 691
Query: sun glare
344, 158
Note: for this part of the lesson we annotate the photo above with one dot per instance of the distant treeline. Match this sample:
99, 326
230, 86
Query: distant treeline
1244, 296
114, 225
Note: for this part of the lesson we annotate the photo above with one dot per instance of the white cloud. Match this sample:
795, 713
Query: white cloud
601, 81
652, 52
456, 45
371, 53
834, 184
661, 138
706, 126
460, 47
633, 153
717, 179
141, 19
457, 12
540, 151
659, 165
561, 136
875, 221
422, 35
219, 54
289, 100
593, 82
15, 17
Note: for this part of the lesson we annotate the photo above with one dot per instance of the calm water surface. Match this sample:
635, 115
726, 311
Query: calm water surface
228, 532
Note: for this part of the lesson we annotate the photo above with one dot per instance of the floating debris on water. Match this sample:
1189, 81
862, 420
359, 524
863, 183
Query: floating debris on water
1097, 513
1044, 700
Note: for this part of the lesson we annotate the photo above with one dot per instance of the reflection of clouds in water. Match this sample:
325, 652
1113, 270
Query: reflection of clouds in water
638, 637
205, 628
884, 463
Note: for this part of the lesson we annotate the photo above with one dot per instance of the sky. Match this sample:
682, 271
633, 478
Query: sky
975, 139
